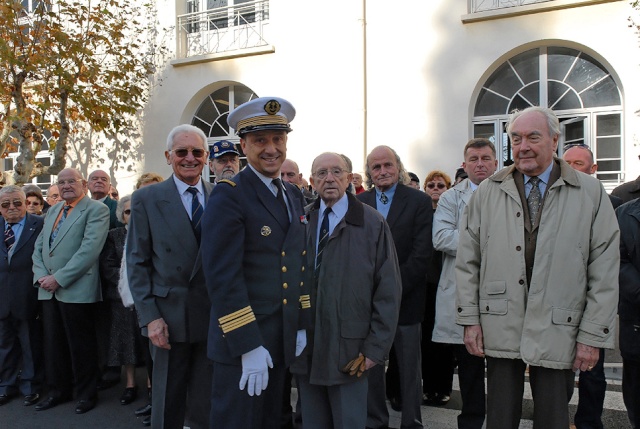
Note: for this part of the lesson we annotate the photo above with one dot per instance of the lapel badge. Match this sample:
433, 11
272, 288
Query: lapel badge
303, 219
265, 231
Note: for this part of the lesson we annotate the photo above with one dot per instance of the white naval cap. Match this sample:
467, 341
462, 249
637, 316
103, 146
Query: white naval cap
264, 113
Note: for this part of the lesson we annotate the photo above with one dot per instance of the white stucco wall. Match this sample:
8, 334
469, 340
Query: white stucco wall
424, 67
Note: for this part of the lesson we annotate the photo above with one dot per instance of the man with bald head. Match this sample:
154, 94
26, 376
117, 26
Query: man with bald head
592, 384
355, 300
289, 172
99, 185
409, 214
65, 269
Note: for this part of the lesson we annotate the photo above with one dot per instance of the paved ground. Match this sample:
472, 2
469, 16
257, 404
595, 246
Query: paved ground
109, 414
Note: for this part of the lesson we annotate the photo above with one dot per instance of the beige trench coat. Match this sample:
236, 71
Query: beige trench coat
574, 285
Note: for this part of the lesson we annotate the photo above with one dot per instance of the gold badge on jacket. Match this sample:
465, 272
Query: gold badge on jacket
265, 231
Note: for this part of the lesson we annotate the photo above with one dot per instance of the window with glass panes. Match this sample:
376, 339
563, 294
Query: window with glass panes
211, 117
581, 91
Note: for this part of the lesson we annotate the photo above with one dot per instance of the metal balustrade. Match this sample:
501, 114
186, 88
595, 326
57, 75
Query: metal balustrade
486, 5
224, 29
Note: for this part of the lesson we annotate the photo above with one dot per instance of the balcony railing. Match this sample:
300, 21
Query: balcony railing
476, 6
223, 30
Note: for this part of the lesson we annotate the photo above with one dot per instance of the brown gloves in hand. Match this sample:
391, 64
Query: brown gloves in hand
356, 367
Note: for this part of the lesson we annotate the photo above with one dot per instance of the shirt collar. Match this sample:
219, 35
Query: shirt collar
544, 177
182, 187
267, 180
21, 222
339, 208
389, 193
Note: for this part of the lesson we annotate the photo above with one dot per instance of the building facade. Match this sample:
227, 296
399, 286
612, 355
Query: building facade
420, 76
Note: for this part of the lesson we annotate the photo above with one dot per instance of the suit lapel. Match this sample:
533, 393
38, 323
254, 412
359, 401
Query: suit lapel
267, 199
71, 219
369, 197
3, 247
27, 231
398, 205
170, 207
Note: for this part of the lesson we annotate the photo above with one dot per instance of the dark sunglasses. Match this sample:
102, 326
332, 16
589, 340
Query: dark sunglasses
181, 153
432, 185
127, 211
16, 203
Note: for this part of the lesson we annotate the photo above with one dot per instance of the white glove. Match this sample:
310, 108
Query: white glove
301, 341
255, 370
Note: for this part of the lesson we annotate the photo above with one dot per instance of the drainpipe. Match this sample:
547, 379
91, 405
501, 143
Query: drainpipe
364, 79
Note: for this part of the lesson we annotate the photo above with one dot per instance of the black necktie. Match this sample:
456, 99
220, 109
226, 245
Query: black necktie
280, 195
54, 233
9, 236
196, 212
324, 238
384, 199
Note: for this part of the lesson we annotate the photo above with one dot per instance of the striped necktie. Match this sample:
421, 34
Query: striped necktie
196, 212
54, 233
9, 236
324, 239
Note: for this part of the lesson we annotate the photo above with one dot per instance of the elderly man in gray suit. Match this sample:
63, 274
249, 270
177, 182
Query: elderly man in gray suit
167, 282
65, 268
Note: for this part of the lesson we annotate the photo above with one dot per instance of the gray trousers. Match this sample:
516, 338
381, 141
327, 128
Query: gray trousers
551, 389
181, 386
342, 406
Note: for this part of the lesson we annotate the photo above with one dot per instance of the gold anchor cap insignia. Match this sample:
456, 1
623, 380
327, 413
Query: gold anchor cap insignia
272, 107
265, 231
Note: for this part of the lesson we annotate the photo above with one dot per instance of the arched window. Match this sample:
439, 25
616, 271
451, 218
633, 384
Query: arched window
575, 85
211, 117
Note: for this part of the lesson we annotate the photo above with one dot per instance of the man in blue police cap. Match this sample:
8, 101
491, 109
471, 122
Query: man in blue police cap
253, 248
224, 160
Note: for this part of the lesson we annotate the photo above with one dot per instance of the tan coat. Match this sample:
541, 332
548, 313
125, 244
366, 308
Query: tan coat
574, 286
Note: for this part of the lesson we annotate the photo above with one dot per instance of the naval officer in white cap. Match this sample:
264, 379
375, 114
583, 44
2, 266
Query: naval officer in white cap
253, 248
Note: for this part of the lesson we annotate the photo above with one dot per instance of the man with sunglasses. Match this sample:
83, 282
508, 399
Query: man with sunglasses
65, 268
592, 385
479, 163
409, 214
253, 251
167, 282
21, 369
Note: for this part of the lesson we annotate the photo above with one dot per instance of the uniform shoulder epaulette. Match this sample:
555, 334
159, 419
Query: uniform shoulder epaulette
227, 181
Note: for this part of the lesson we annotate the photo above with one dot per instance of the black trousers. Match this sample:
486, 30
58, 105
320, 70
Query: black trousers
70, 349
631, 390
592, 388
471, 378
551, 389
234, 408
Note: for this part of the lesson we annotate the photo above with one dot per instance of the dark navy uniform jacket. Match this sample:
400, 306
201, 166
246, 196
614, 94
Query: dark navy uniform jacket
254, 266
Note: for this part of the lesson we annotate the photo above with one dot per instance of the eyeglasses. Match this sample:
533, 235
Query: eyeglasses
181, 153
32, 203
335, 172
54, 196
569, 146
127, 212
69, 182
7, 204
432, 185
